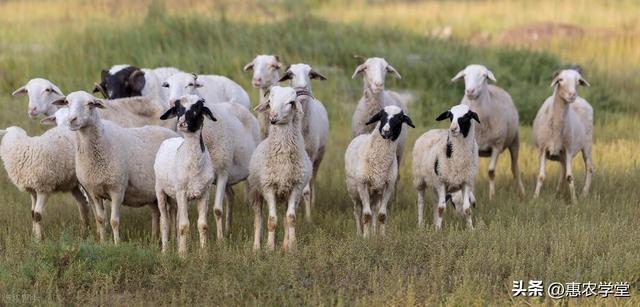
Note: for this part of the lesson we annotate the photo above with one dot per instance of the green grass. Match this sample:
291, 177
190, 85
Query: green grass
546, 239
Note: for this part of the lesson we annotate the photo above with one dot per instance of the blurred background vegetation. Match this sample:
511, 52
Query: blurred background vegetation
522, 42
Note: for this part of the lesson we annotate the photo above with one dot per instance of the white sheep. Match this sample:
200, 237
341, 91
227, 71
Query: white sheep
134, 111
375, 97
42, 93
562, 128
371, 168
184, 171
214, 89
315, 124
499, 117
265, 75
113, 163
447, 161
124, 80
280, 167
43, 165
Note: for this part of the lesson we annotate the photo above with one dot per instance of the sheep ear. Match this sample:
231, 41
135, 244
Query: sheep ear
49, 120
394, 72
278, 63
61, 101
249, 66
96, 103
407, 120
458, 76
316, 75
374, 118
136, 80
444, 115
99, 88
287, 76
56, 90
358, 70
555, 81
171, 113
491, 76
262, 107
474, 115
19, 92
208, 113
3, 132
583, 82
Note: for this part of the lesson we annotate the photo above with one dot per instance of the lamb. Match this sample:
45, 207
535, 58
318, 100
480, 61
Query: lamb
265, 75
315, 124
184, 171
280, 167
124, 80
212, 88
562, 127
375, 97
41, 93
113, 163
447, 160
499, 117
43, 165
371, 168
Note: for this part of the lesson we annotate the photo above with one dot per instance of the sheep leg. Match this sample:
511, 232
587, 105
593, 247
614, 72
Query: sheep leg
363, 191
231, 198
290, 220
155, 221
357, 215
306, 197
438, 211
83, 209
273, 220
173, 215
561, 180
541, 174
421, 192
221, 184
514, 151
164, 223
257, 224
34, 198
588, 166
570, 178
41, 200
382, 210
203, 209
183, 222
98, 205
285, 238
116, 202
492, 172
466, 205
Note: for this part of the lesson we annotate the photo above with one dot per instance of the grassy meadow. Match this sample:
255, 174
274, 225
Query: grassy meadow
70, 41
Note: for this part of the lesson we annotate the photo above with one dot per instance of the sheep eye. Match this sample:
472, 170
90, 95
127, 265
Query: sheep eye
190, 84
165, 84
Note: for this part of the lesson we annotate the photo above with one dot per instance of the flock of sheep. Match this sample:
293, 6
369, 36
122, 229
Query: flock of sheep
162, 137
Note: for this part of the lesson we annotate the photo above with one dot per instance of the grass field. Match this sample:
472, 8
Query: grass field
546, 239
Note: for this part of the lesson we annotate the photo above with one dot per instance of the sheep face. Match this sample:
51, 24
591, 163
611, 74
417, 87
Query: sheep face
181, 84
121, 81
58, 119
282, 105
81, 109
265, 70
460, 117
301, 76
391, 119
375, 70
41, 94
565, 84
190, 110
475, 80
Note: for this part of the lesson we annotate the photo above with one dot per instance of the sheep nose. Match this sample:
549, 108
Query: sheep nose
470, 91
72, 119
33, 110
378, 84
